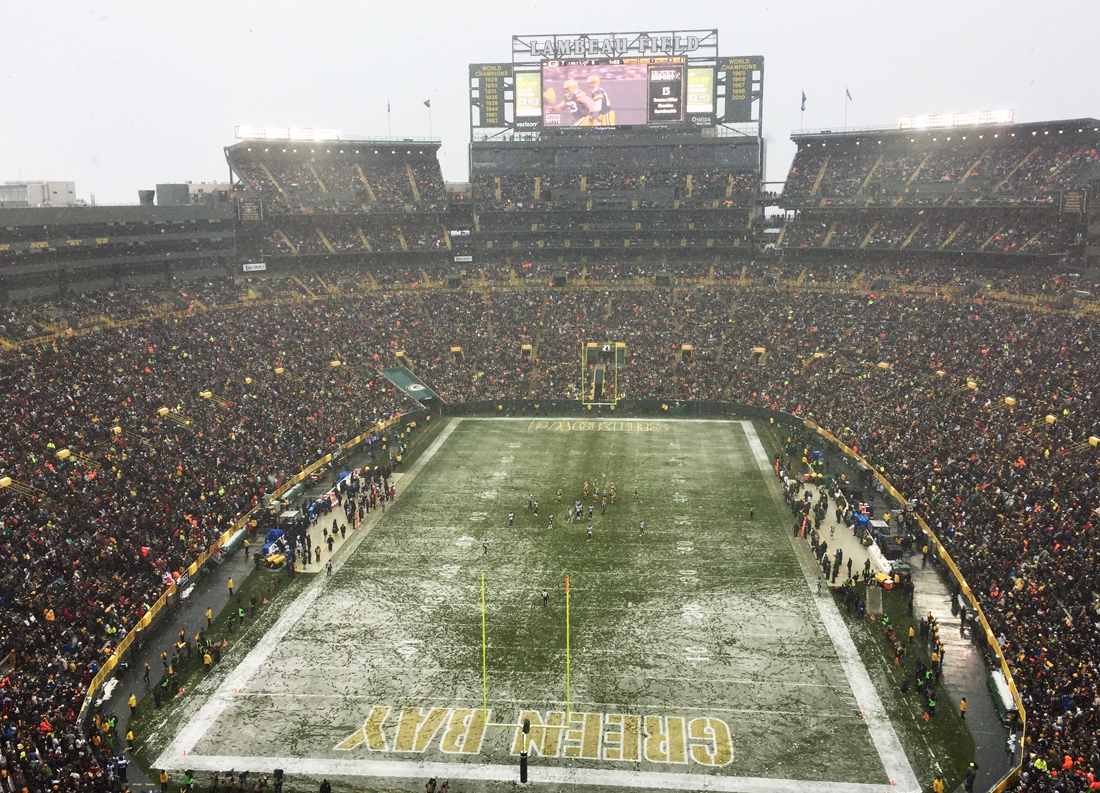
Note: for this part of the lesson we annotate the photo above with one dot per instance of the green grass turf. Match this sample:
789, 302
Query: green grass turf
706, 615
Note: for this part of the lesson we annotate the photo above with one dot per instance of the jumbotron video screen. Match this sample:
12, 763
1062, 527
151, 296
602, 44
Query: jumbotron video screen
616, 93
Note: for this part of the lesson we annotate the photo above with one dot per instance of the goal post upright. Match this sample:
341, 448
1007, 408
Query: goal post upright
609, 356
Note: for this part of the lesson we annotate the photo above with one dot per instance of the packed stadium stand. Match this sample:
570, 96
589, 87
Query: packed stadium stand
645, 200
342, 201
1016, 191
46, 251
92, 536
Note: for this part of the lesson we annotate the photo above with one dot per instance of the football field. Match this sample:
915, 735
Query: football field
699, 655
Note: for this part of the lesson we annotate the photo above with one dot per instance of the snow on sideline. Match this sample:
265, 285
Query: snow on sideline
495, 772
890, 752
212, 709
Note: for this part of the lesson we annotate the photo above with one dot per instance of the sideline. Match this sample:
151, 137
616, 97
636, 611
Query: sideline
192, 732
486, 772
890, 751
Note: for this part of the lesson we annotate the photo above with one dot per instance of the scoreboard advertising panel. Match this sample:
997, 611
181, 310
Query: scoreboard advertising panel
616, 92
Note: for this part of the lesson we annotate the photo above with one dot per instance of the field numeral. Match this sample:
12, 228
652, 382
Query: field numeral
683, 520
478, 516
696, 654
689, 577
685, 547
693, 612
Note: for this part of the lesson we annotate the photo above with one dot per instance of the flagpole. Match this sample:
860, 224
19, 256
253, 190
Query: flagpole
389, 125
845, 107
429, 122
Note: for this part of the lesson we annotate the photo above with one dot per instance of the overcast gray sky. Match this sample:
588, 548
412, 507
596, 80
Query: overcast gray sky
119, 95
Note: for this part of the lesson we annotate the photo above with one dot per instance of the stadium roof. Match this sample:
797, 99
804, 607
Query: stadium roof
853, 133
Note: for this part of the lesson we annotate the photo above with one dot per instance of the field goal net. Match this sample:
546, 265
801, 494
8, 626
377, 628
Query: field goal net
600, 364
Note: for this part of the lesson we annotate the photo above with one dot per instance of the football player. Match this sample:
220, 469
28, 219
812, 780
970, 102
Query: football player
601, 114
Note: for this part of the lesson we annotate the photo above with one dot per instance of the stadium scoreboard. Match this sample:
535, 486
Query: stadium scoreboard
740, 86
666, 80
492, 83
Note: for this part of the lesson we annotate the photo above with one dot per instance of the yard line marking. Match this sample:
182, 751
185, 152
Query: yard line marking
533, 704
184, 741
493, 772
890, 751
663, 420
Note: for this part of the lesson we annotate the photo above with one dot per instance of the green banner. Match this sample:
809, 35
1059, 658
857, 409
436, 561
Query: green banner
409, 383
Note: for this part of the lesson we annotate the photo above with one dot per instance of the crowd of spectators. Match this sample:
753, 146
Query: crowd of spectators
1023, 165
1012, 494
346, 234
297, 178
648, 188
999, 231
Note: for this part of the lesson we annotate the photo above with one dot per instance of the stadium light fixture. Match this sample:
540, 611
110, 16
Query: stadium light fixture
980, 118
250, 132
